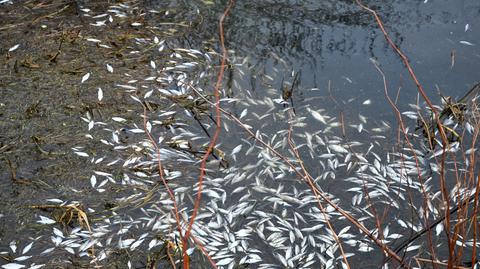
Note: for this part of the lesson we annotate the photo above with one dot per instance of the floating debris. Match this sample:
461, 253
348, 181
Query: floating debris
466, 43
85, 77
14, 48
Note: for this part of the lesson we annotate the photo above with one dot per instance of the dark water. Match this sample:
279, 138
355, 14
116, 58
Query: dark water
330, 44
333, 41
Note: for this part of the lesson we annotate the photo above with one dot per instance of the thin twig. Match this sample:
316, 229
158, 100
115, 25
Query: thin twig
214, 138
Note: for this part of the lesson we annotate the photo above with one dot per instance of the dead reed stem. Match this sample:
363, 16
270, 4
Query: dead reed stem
322, 195
214, 138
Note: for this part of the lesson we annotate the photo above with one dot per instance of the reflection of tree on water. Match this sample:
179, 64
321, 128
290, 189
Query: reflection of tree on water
299, 31
300, 28
307, 30
298, 35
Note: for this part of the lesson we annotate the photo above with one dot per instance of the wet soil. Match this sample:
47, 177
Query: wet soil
42, 102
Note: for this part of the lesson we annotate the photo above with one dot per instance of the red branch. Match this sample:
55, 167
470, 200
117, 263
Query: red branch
214, 138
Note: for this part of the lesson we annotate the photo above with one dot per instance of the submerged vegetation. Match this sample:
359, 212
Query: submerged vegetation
157, 151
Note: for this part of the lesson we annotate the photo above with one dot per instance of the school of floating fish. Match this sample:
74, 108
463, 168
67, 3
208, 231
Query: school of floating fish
255, 210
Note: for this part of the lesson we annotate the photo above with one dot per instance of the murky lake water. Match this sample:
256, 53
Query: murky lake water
256, 213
